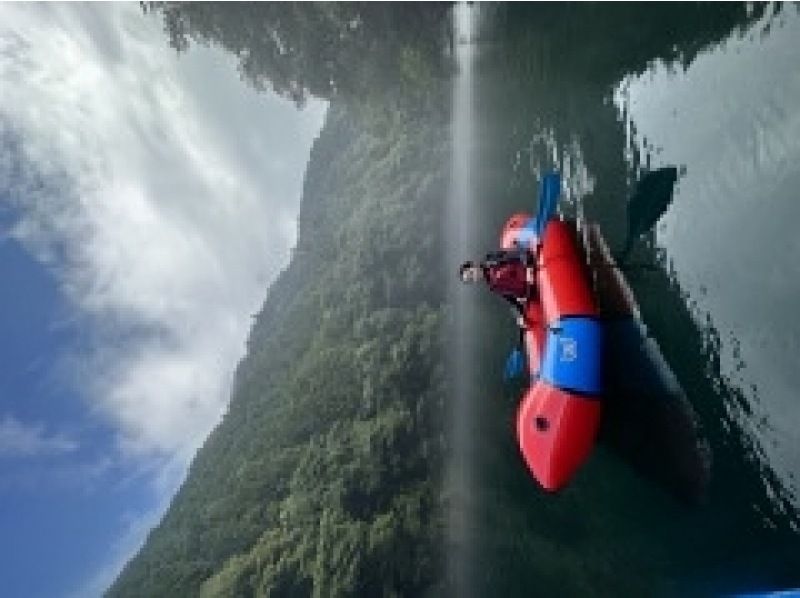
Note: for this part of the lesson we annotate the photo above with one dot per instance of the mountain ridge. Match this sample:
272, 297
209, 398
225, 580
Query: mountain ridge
323, 476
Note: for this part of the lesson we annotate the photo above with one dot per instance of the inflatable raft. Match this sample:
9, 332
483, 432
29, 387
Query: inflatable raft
589, 355
559, 415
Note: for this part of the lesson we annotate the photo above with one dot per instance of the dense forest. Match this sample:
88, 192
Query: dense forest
379, 54
322, 477
325, 477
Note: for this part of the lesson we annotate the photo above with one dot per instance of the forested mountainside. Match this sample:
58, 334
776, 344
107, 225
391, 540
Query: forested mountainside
323, 477
382, 52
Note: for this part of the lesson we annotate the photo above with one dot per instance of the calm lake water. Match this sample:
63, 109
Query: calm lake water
605, 94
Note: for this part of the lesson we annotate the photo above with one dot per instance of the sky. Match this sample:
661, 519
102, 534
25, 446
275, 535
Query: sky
147, 200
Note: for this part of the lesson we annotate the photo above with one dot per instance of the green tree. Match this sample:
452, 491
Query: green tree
322, 49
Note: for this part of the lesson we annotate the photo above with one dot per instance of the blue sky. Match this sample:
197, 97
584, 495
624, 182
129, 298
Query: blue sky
146, 202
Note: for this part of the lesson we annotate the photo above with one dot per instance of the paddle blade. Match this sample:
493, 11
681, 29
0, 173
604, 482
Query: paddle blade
549, 192
514, 365
651, 199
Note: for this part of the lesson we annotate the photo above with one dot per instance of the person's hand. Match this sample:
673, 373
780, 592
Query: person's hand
530, 276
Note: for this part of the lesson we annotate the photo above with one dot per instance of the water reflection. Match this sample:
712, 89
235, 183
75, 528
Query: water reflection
650, 200
730, 238
547, 76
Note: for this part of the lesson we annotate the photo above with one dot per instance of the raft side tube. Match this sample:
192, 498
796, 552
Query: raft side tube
573, 355
535, 336
562, 277
556, 431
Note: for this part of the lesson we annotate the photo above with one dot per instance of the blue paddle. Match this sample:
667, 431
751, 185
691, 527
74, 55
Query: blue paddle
648, 204
549, 192
514, 365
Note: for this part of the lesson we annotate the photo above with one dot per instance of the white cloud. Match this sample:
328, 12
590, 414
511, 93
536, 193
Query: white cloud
163, 194
169, 203
18, 439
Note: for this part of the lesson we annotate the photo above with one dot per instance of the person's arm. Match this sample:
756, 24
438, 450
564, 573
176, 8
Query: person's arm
519, 310
505, 256
519, 316
485, 269
520, 255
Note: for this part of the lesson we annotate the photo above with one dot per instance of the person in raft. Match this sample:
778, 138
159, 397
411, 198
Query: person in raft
510, 274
